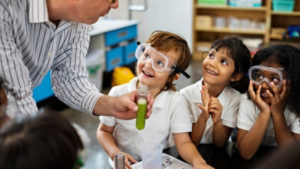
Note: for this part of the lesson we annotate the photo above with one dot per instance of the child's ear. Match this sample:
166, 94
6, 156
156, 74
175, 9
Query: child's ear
176, 77
236, 77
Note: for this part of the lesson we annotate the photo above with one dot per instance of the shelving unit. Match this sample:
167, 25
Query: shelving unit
272, 19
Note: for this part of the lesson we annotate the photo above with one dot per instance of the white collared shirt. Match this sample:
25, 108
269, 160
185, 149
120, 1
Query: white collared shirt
169, 115
249, 112
229, 99
31, 45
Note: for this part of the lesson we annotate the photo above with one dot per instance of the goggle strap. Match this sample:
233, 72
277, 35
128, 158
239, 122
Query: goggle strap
183, 72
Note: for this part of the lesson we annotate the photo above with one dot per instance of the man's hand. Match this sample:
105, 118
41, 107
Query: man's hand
122, 107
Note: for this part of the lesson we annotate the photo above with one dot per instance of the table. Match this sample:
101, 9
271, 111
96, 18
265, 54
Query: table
226, 157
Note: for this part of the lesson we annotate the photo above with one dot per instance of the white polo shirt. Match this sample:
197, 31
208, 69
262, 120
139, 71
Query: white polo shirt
169, 115
249, 112
229, 99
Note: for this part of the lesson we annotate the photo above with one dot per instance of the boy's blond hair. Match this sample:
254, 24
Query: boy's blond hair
165, 41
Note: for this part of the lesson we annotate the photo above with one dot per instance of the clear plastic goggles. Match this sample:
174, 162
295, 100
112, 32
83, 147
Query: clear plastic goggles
259, 74
160, 62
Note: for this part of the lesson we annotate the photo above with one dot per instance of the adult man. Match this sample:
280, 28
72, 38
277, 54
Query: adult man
39, 35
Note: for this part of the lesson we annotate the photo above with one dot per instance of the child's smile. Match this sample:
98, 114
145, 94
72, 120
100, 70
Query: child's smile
217, 67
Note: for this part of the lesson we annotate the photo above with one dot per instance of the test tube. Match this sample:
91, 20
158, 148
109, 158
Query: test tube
119, 161
142, 106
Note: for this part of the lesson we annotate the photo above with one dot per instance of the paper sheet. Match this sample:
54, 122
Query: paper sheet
168, 162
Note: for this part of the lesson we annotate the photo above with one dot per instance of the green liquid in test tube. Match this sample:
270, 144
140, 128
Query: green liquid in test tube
142, 107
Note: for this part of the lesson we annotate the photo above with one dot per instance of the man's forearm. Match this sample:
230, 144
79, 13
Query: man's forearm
103, 106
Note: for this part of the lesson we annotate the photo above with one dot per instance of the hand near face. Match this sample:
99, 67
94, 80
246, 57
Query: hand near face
255, 97
215, 109
205, 100
278, 100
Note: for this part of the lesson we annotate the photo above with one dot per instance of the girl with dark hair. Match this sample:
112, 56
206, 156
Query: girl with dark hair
43, 141
268, 112
213, 101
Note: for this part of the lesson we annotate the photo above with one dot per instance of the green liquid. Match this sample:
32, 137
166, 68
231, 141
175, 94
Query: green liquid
141, 114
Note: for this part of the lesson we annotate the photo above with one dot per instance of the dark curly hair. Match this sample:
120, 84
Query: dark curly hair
41, 141
241, 57
289, 58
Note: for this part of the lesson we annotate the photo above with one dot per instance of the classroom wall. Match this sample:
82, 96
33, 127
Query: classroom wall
169, 15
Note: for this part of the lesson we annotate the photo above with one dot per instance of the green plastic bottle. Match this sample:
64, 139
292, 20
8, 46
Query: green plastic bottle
142, 107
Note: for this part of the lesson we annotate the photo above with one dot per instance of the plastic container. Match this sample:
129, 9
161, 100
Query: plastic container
245, 3
152, 156
212, 2
233, 23
220, 22
95, 66
283, 5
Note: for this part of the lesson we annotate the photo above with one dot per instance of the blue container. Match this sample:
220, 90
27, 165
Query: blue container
283, 5
114, 58
120, 35
129, 53
44, 90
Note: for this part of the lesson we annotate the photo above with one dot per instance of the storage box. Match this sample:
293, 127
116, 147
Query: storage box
283, 5
203, 22
117, 36
114, 58
95, 66
245, 3
129, 53
212, 2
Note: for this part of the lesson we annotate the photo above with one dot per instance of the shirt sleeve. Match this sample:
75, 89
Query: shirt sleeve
186, 94
70, 79
295, 126
110, 120
180, 120
247, 116
15, 74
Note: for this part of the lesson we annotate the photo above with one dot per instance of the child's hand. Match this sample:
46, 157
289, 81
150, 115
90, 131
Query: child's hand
205, 101
203, 166
255, 97
279, 100
128, 158
215, 108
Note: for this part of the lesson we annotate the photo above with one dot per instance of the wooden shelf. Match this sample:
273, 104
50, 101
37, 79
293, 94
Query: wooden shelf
238, 31
286, 13
197, 6
272, 19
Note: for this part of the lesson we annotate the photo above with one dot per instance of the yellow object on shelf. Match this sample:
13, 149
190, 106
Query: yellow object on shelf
121, 75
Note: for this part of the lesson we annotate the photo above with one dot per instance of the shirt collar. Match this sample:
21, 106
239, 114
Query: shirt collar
198, 97
38, 11
160, 99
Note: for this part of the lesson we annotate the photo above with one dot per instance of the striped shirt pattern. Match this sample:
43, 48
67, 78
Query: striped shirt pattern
31, 45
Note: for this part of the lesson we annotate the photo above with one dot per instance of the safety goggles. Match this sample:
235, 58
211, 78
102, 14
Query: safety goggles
259, 74
160, 62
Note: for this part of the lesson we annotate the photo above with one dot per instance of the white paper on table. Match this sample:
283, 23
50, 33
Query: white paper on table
168, 162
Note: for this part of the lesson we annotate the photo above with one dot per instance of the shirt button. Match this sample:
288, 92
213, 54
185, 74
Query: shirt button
42, 73
50, 54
